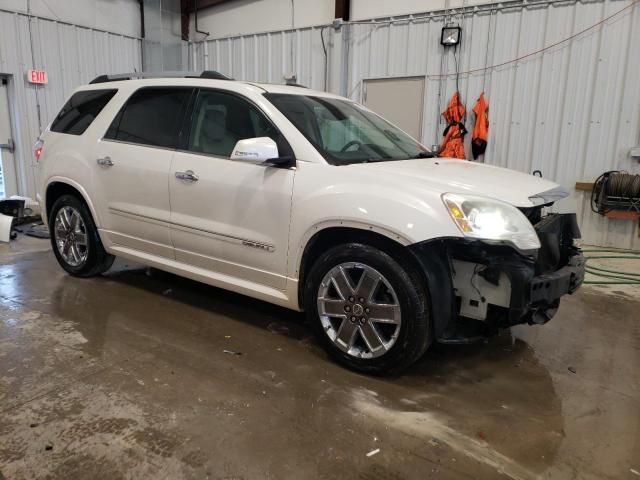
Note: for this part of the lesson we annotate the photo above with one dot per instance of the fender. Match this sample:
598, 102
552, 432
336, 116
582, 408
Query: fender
78, 187
403, 212
296, 259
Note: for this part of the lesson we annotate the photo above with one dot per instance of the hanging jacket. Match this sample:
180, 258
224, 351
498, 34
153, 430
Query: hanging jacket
481, 129
452, 143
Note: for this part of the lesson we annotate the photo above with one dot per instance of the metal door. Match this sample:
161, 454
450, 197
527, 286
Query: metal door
8, 183
399, 100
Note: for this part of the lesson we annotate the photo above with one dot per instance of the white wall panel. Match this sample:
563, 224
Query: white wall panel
120, 16
243, 17
71, 55
363, 9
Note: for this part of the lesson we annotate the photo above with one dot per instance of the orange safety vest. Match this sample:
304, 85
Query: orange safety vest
452, 144
481, 128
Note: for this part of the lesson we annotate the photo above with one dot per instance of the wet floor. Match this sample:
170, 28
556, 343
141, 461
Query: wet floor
141, 374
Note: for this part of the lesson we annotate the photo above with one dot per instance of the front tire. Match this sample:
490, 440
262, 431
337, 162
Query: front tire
369, 310
75, 240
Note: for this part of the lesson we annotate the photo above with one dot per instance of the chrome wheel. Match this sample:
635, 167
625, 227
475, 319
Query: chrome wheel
71, 236
359, 310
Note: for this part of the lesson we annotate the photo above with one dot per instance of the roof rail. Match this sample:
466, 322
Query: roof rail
213, 75
208, 74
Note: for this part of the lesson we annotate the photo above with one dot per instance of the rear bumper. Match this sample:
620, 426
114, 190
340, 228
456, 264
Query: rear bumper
494, 286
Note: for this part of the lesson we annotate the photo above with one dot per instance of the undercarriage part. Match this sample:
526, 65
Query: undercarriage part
466, 332
476, 292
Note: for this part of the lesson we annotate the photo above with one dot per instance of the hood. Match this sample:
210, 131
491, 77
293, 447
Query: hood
459, 176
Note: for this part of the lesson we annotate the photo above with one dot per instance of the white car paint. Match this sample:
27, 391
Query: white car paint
244, 226
255, 150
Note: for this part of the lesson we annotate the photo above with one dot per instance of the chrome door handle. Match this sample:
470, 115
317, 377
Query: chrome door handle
105, 162
188, 176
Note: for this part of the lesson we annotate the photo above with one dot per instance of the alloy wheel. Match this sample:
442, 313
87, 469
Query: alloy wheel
71, 236
359, 310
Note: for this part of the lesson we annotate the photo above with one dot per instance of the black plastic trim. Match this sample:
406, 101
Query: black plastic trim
433, 257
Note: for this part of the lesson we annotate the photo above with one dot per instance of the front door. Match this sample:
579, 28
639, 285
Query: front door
230, 217
8, 184
132, 170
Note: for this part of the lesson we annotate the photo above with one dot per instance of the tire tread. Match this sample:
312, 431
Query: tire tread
417, 336
98, 261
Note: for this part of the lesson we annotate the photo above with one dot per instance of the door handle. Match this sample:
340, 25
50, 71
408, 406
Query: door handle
187, 176
105, 162
9, 145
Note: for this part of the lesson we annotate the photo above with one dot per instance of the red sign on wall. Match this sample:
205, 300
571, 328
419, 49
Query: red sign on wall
37, 76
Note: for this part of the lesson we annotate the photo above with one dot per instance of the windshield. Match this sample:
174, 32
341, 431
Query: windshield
345, 132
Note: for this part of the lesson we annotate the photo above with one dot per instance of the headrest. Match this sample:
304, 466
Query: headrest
215, 121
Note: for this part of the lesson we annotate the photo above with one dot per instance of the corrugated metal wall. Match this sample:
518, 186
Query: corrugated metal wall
72, 55
571, 112
266, 57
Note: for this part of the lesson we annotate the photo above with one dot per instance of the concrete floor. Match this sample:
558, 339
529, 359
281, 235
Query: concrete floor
141, 374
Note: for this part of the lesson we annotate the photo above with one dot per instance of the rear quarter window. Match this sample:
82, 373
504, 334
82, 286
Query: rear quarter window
81, 110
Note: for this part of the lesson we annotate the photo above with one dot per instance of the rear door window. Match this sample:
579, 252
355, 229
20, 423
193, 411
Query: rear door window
81, 110
151, 116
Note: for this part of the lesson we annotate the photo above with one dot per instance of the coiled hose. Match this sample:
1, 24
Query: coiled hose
621, 186
608, 275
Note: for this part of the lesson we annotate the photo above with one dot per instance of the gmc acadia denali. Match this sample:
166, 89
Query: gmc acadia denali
306, 200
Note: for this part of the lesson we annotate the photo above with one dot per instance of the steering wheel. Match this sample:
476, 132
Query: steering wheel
351, 144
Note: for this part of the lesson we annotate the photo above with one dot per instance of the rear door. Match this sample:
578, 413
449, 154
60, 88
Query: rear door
132, 169
230, 217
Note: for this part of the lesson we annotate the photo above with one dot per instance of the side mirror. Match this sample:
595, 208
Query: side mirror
256, 150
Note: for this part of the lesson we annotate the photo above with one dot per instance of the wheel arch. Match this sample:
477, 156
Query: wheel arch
333, 235
58, 186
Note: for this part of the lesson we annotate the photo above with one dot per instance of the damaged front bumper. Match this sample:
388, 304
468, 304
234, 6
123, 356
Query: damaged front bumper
481, 288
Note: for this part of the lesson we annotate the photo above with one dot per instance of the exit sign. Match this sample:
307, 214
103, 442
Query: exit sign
37, 76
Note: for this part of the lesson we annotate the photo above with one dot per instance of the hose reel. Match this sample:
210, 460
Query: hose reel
616, 191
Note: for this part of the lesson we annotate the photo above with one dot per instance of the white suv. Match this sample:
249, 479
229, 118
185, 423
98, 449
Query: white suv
306, 200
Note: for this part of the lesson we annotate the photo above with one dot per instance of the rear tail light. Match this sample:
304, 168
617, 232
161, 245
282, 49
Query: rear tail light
37, 149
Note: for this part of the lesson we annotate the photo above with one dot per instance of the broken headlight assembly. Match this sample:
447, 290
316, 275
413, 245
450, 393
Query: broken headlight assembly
491, 220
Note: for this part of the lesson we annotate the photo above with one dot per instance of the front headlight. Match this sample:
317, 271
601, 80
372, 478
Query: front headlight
491, 220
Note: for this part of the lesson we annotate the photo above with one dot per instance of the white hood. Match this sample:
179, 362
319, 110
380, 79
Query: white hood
460, 176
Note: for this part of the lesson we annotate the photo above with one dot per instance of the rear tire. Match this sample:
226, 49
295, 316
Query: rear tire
75, 240
376, 285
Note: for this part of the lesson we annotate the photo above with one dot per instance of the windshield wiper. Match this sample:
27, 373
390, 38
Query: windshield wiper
373, 160
425, 155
